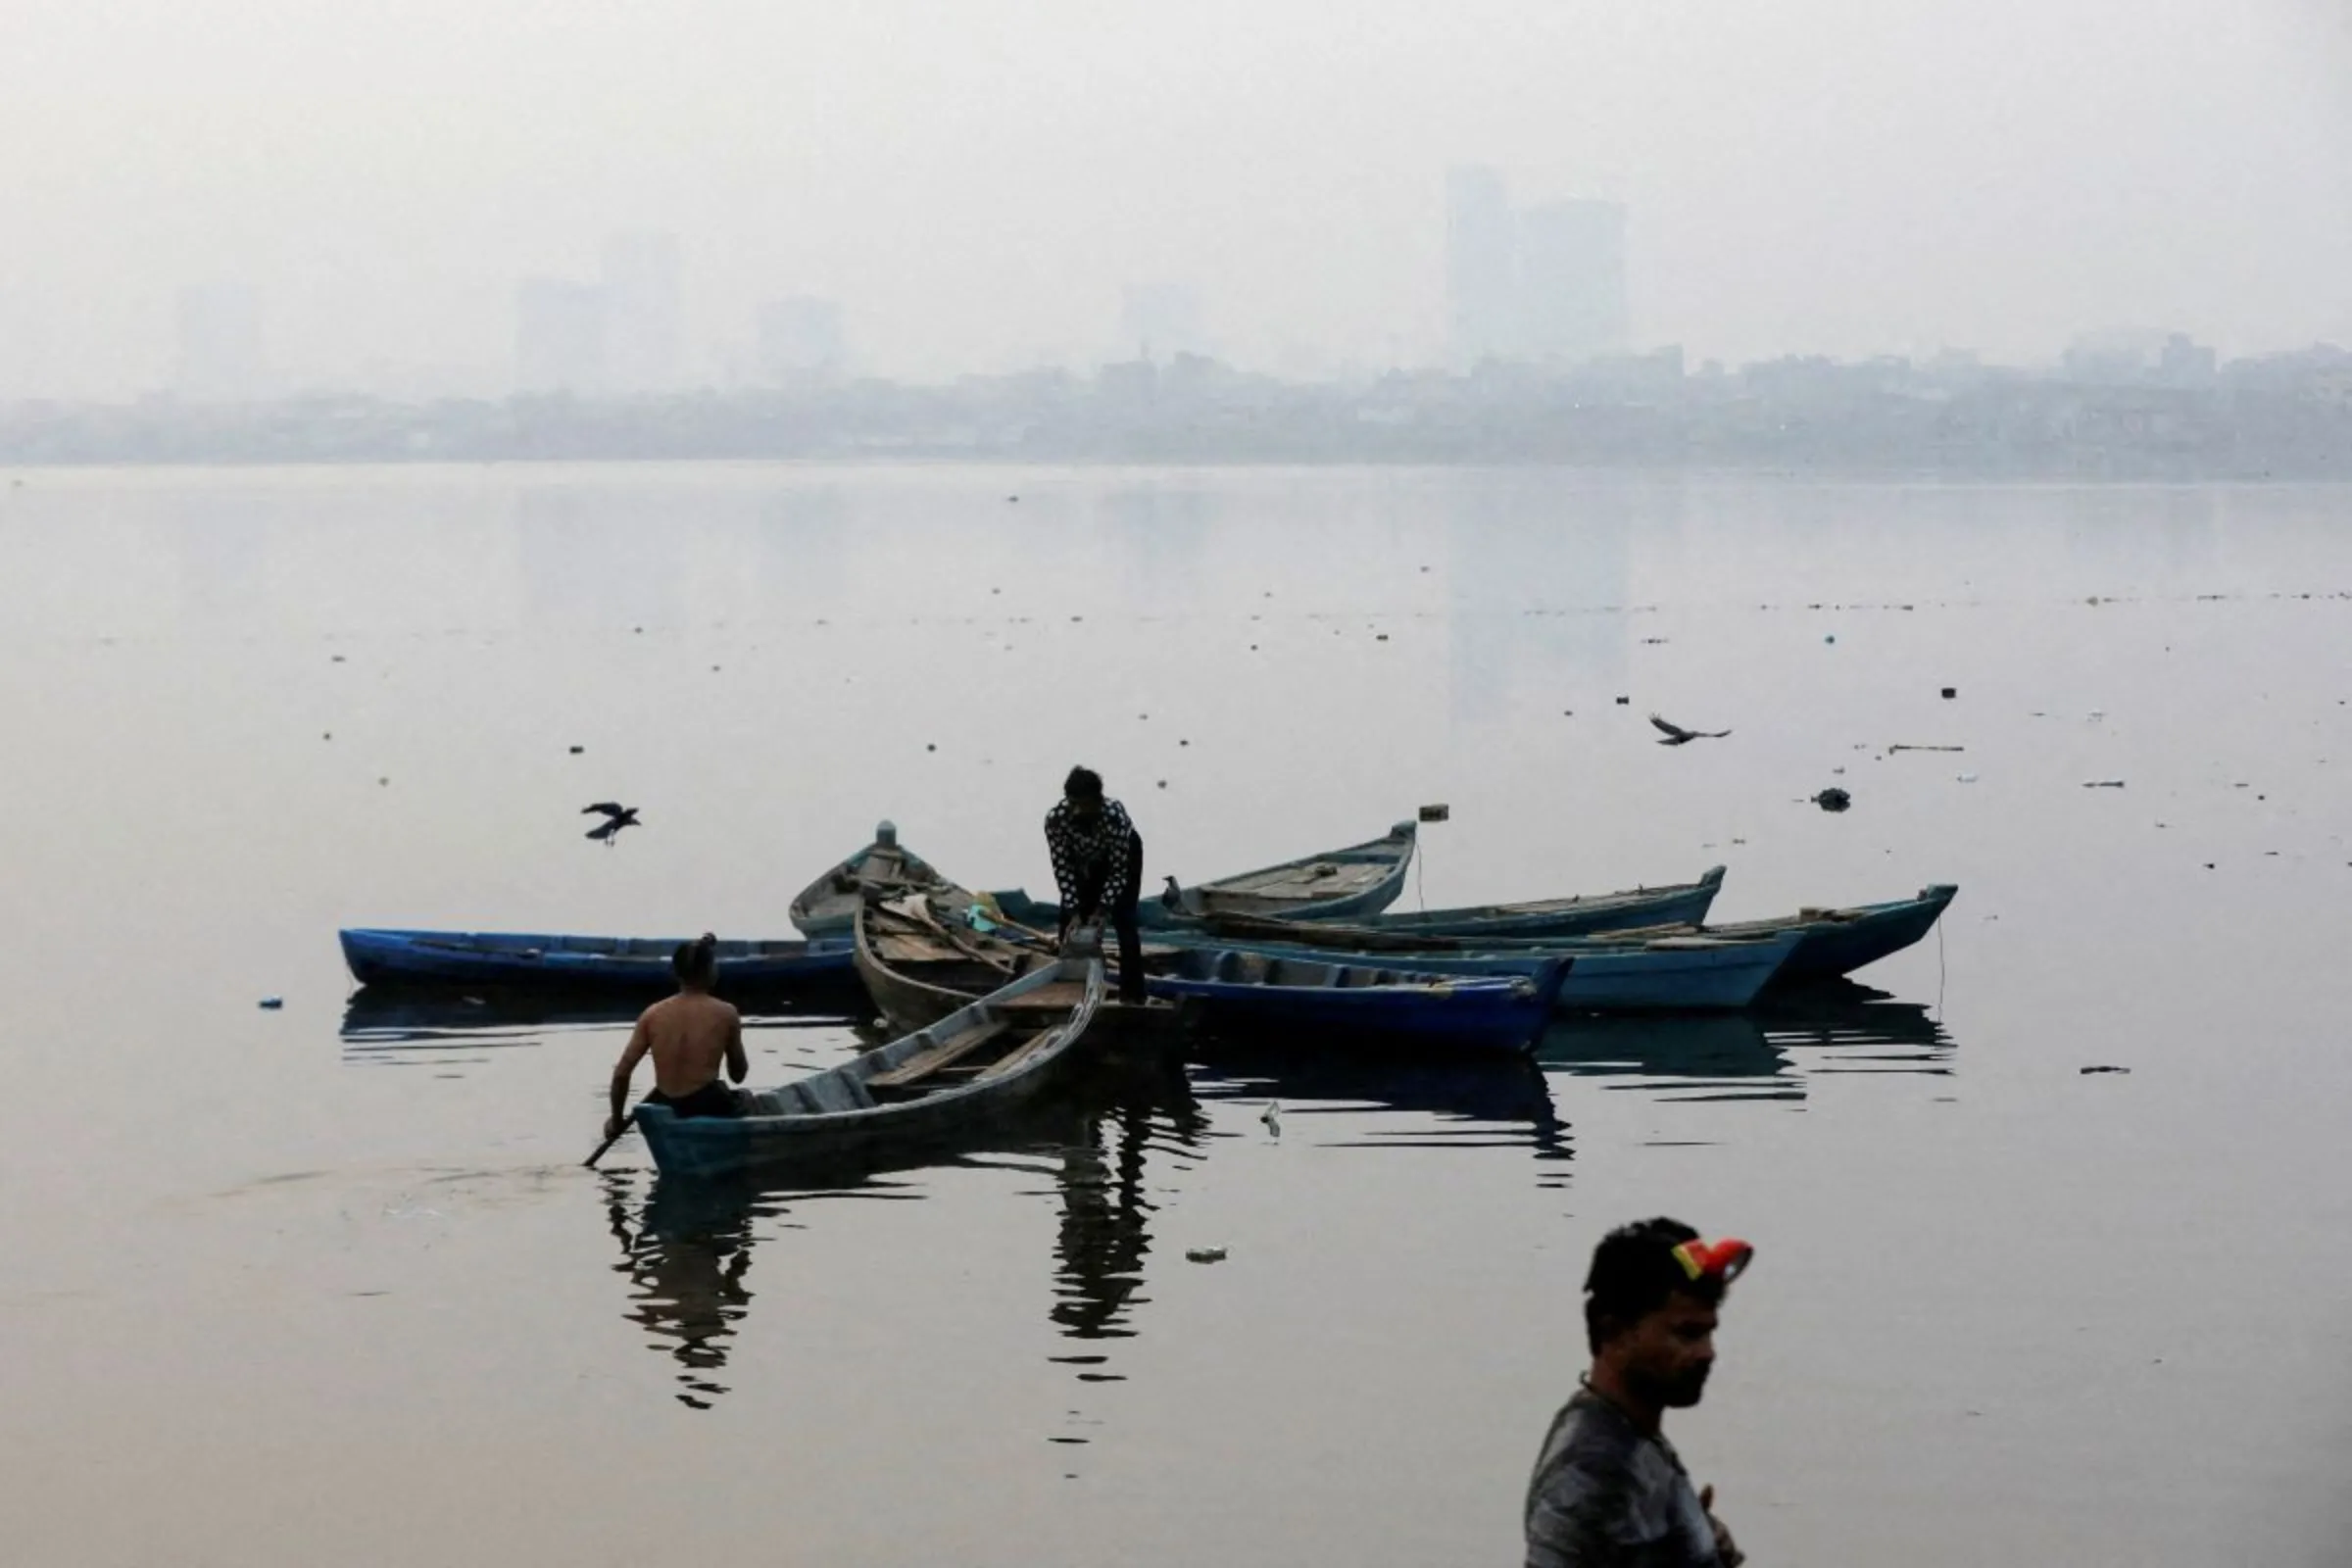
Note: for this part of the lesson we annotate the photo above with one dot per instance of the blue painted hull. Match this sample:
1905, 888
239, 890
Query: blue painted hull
1832, 949
1674, 976
1357, 999
540, 962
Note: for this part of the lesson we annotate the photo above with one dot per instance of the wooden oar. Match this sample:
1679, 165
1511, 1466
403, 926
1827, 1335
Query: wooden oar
591, 1161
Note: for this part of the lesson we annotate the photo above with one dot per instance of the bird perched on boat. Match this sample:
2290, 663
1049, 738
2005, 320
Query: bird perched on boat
1172, 895
617, 816
1676, 735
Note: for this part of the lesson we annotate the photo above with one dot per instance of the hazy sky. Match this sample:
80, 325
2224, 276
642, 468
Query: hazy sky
975, 181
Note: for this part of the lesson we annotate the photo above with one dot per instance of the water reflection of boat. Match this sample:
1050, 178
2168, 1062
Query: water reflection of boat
1483, 1093
1834, 1027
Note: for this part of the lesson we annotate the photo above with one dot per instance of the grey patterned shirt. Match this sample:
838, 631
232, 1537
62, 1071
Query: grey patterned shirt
1605, 1495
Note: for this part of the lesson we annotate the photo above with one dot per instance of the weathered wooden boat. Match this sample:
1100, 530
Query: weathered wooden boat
1356, 1000
1677, 903
621, 966
1673, 973
826, 907
1343, 884
918, 962
1834, 943
989, 1059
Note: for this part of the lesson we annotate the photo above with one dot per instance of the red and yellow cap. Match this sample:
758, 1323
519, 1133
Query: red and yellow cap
1723, 1258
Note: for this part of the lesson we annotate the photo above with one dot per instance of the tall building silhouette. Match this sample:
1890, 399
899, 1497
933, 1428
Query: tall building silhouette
1482, 270
1541, 283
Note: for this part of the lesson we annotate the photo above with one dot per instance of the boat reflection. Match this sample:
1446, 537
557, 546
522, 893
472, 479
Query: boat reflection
1764, 1054
415, 1028
1482, 1100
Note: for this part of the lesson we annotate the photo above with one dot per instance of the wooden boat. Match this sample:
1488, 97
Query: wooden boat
1672, 973
989, 1059
918, 963
826, 907
621, 966
1834, 943
1343, 884
1677, 904
1356, 1000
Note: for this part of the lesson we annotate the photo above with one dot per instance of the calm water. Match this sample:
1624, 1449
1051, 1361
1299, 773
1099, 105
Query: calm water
328, 1285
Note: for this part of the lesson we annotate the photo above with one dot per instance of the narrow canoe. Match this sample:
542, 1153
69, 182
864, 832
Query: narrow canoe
1834, 943
1343, 884
1354, 999
546, 961
826, 907
1665, 975
1677, 903
988, 1060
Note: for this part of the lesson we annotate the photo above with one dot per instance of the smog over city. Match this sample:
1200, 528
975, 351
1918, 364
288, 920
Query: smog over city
250, 200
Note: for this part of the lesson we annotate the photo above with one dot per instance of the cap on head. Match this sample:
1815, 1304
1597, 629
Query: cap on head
1637, 1267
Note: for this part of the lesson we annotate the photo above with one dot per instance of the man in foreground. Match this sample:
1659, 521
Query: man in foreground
1608, 1490
1099, 867
690, 1035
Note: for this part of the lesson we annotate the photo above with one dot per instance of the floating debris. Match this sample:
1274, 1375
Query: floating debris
1968, 778
2103, 1067
1950, 692
578, 750
1438, 812
2102, 783
1623, 701
1891, 750
1204, 1254
1832, 800
272, 1004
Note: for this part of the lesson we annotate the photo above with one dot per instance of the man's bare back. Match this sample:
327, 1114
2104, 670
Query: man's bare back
690, 1036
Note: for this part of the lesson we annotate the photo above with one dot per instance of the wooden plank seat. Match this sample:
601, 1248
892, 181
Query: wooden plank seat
943, 1055
1013, 1058
1059, 996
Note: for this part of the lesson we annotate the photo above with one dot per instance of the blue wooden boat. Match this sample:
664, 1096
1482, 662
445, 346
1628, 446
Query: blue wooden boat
633, 965
1672, 973
988, 1060
1834, 943
1677, 903
1361, 999
1343, 884
826, 907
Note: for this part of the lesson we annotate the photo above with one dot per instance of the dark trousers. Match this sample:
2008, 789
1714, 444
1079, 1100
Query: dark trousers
1122, 919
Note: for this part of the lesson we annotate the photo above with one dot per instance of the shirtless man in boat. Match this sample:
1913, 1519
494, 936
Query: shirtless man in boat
690, 1035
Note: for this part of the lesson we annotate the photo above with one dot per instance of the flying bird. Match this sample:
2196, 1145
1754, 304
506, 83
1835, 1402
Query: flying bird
1676, 735
617, 816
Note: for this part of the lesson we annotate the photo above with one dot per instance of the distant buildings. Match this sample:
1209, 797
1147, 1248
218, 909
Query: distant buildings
1161, 321
624, 333
1545, 283
798, 339
219, 343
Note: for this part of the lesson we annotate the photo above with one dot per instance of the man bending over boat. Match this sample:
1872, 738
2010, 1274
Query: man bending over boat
690, 1035
1099, 864
1609, 1490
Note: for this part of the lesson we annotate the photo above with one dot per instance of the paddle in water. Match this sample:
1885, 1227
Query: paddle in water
616, 1137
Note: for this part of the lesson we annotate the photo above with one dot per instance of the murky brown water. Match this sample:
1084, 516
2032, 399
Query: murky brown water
301, 1287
